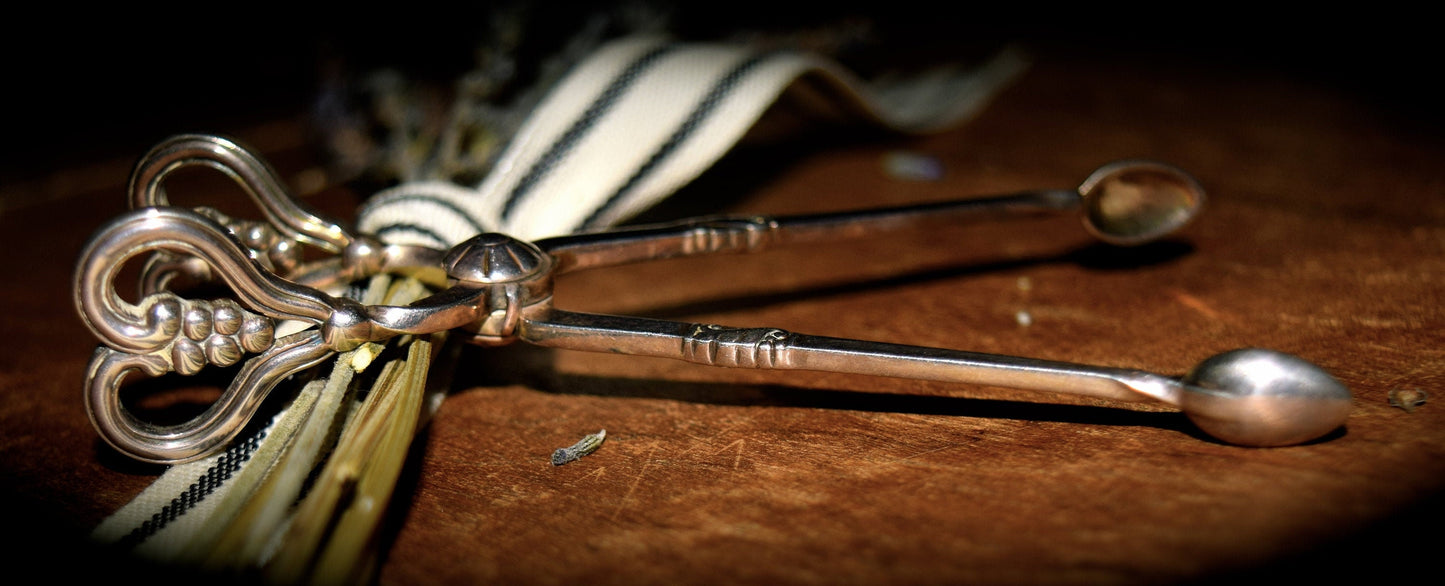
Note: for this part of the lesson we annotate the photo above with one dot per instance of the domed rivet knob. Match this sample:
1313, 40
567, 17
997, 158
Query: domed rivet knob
495, 258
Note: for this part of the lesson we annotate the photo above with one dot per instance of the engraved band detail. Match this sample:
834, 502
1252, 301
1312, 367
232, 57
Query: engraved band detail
716, 345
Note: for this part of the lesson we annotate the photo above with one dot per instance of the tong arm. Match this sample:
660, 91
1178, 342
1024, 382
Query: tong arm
747, 234
772, 348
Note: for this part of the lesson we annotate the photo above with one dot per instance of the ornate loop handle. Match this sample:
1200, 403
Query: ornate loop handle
284, 212
274, 242
211, 430
168, 333
155, 323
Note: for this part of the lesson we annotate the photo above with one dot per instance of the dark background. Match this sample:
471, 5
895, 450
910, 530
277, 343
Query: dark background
88, 86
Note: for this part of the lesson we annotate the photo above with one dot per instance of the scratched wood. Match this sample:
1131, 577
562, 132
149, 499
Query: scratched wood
1324, 237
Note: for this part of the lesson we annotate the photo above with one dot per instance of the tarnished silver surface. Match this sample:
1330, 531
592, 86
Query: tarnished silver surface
499, 289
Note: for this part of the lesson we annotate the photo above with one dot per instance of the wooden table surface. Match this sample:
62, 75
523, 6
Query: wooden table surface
1324, 237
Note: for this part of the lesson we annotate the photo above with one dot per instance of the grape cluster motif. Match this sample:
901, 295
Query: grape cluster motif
217, 332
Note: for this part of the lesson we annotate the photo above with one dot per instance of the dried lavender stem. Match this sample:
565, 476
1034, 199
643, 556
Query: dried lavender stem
585, 446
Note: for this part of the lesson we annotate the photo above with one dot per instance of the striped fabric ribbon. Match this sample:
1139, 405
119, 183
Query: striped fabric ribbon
624, 129
641, 118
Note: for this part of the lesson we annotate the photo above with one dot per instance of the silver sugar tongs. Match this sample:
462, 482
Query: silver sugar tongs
499, 289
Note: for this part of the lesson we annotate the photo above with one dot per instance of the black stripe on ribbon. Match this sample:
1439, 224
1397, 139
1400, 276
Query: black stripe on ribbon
580, 127
471, 221
704, 108
424, 231
207, 484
